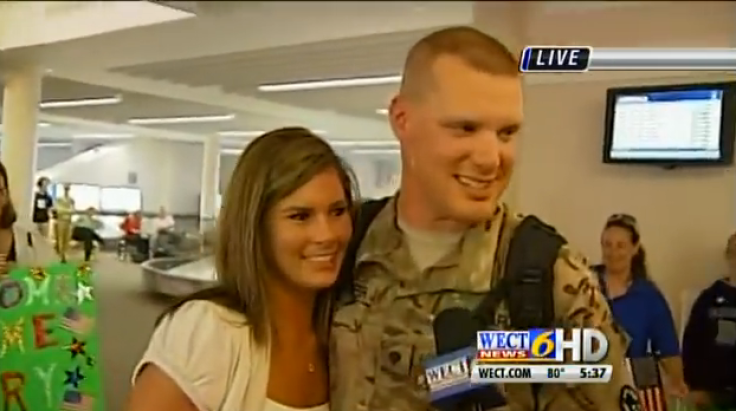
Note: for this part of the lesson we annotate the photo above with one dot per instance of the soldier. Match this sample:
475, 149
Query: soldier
434, 245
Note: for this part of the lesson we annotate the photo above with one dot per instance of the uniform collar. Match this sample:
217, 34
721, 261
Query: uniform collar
384, 243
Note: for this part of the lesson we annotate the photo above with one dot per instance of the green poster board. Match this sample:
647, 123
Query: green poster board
49, 348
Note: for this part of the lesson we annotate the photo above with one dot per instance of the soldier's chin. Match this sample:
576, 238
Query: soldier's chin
474, 211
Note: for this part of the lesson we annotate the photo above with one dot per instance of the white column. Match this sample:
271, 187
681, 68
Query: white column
19, 142
210, 180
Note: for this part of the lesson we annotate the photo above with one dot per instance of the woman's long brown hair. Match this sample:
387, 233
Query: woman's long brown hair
271, 168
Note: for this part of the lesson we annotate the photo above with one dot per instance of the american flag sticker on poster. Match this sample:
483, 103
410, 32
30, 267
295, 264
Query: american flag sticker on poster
49, 349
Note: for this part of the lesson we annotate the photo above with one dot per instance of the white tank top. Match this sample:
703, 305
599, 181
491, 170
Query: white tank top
275, 406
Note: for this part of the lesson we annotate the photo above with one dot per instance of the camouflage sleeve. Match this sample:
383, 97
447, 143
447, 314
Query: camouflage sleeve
579, 302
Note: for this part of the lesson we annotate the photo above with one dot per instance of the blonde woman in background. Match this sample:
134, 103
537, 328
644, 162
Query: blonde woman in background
64, 210
258, 340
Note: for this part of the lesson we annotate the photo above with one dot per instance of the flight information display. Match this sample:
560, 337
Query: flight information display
676, 125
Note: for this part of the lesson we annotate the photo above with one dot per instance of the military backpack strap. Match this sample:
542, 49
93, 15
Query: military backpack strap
523, 274
529, 275
529, 279
366, 213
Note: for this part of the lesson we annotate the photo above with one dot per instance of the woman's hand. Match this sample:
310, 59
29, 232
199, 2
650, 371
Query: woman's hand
679, 390
701, 399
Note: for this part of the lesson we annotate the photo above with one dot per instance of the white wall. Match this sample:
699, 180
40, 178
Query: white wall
377, 174
51, 156
168, 173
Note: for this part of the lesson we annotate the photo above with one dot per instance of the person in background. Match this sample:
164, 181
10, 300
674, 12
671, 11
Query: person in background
19, 246
637, 304
164, 222
132, 226
85, 231
64, 210
709, 342
282, 235
42, 206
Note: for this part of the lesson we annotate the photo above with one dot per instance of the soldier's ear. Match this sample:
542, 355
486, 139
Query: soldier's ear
397, 115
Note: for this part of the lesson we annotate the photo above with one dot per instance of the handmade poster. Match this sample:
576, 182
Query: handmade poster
49, 347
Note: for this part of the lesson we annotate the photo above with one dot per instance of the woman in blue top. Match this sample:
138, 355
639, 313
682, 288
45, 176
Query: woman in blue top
637, 304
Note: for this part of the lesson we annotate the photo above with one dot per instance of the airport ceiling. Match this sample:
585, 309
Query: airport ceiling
209, 75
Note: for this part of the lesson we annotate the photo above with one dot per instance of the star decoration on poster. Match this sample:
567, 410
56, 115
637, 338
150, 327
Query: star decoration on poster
38, 274
74, 377
77, 347
84, 273
84, 293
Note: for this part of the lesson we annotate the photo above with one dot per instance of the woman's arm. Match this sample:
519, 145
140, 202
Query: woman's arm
186, 366
666, 343
156, 391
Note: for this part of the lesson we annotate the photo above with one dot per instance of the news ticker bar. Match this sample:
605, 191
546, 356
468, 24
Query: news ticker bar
555, 59
539, 373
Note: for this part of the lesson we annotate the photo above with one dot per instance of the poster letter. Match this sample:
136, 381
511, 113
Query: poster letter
12, 384
45, 376
11, 293
42, 332
38, 289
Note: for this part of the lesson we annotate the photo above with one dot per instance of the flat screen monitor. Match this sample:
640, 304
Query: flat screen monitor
671, 125
84, 195
121, 199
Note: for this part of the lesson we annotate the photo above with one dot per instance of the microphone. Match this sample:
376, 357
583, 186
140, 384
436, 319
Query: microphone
448, 374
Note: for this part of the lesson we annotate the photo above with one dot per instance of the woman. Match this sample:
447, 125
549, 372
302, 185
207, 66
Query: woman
18, 245
42, 204
636, 302
710, 340
257, 341
64, 210
133, 237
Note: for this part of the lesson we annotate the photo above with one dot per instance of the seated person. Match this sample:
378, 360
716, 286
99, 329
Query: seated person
132, 233
163, 222
709, 341
85, 231
131, 225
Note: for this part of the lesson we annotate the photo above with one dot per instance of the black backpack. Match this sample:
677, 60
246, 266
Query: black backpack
527, 278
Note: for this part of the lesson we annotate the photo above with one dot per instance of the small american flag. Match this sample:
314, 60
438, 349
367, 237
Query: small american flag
76, 401
75, 321
645, 371
652, 399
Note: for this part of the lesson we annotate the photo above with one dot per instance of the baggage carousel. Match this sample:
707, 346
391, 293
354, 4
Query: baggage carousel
178, 276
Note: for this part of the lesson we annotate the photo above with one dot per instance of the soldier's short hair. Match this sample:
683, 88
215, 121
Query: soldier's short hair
478, 49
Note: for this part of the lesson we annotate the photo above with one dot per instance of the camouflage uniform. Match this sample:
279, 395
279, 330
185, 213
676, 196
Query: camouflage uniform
379, 342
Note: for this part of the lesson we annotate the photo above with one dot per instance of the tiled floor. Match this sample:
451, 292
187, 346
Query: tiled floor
126, 317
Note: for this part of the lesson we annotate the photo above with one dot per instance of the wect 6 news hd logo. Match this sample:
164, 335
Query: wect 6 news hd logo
586, 345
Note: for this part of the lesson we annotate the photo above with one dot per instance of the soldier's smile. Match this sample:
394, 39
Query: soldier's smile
475, 183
